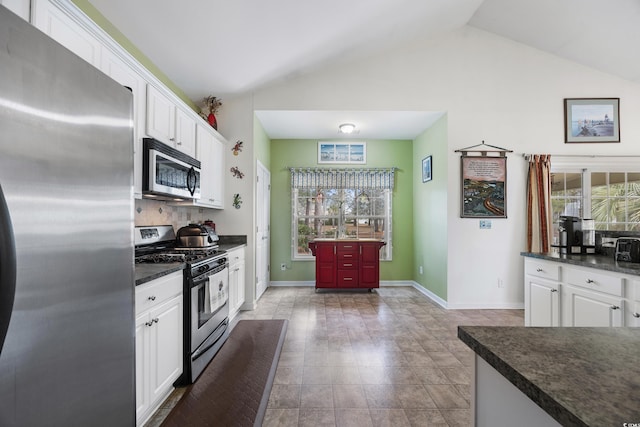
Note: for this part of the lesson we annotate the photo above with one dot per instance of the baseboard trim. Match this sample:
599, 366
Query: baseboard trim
424, 291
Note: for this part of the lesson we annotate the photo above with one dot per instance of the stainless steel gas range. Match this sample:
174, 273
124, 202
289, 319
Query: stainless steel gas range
206, 291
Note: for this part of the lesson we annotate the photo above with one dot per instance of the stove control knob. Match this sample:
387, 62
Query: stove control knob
203, 268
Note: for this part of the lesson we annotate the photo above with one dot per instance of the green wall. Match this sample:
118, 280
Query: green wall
110, 29
261, 144
301, 153
430, 210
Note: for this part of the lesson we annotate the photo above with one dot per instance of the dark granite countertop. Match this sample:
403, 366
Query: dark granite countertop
579, 376
148, 272
601, 262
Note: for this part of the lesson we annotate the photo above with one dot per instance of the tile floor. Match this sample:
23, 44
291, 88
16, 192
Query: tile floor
386, 358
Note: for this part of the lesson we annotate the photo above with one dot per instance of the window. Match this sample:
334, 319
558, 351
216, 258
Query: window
334, 204
610, 198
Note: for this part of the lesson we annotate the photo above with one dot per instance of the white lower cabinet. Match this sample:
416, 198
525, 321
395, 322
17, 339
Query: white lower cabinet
559, 294
586, 308
236, 280
543, 300
159, 307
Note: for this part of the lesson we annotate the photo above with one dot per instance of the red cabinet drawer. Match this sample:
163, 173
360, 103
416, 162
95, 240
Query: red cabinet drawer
347, 279
347, 264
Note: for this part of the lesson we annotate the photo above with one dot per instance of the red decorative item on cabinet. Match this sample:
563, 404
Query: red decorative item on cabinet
347, 264
211, 118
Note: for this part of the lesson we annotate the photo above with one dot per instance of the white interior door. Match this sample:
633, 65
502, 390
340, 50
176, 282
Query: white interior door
263, 197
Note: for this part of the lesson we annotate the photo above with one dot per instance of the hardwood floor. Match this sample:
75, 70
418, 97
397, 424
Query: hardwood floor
386, 358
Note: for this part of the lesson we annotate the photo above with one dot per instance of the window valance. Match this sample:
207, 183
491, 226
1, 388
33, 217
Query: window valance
359, 179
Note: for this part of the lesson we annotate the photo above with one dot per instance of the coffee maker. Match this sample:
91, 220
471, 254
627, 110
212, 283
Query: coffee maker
577, 236
569, 240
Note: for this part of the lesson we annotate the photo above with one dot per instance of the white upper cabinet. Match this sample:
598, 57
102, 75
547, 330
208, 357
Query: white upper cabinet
19, 7
58, 25
168, 123
210, 152
116, 68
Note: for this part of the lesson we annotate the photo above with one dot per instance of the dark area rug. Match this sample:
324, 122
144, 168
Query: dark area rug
234, 389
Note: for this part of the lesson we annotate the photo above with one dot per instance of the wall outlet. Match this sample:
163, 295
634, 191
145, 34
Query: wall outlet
485, 224
500, 283
283, 266
420, 269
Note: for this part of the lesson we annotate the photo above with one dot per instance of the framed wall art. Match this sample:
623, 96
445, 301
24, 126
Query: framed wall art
426, 169
342, 152
484, 187
591, 120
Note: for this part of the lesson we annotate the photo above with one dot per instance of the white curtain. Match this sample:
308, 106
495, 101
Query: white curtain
539, 215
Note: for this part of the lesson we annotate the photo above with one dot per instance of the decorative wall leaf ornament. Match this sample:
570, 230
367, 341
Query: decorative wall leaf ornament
237, 201
236, 172
237, 148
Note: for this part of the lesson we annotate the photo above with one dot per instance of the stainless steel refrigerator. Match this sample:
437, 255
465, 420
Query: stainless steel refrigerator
66, 237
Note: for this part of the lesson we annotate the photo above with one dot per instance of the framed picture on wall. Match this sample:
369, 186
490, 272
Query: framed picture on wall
591, 120
484, 187
426, 169
342, 152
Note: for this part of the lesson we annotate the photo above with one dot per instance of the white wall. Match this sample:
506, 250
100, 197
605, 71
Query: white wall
492, 89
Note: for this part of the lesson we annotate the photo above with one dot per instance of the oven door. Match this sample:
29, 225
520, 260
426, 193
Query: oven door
209, 305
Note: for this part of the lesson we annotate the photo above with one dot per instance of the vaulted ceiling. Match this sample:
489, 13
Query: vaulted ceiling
230, 47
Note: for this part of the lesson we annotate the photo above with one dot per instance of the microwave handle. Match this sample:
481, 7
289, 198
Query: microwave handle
7, 269
192, 178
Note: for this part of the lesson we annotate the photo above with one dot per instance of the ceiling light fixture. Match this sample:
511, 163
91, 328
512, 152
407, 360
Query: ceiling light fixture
347, 128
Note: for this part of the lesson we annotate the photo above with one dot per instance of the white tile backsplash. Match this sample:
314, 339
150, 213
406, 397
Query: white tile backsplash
154, 212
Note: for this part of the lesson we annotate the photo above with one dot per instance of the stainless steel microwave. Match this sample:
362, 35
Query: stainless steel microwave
169, 174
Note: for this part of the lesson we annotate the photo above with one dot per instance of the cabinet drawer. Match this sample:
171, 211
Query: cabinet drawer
591, 279
347, 264
546, 270
154, 293
347, 256
236, 256
347, 279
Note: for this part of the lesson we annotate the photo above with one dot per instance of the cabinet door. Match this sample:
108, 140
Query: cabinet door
542, 307
585, 308
59, 26
325, 265
165, 346
633, 317
118, 70
369, 265
217, 174
185, 133
204, 153
161, 117
142, 374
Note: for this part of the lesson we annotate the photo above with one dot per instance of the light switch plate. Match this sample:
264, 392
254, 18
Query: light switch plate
485, 224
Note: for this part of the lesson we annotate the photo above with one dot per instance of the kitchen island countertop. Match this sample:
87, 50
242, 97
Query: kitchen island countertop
602, 262
579, 376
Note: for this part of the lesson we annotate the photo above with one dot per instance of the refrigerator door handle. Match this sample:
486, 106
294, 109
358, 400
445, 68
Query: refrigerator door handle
7, 269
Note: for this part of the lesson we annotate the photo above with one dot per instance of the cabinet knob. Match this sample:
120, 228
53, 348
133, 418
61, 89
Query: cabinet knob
636, 315
554, 290
179, 143
148, 323
152, 298
539, 270
156, 320
590, 281
615, 307
172, 139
